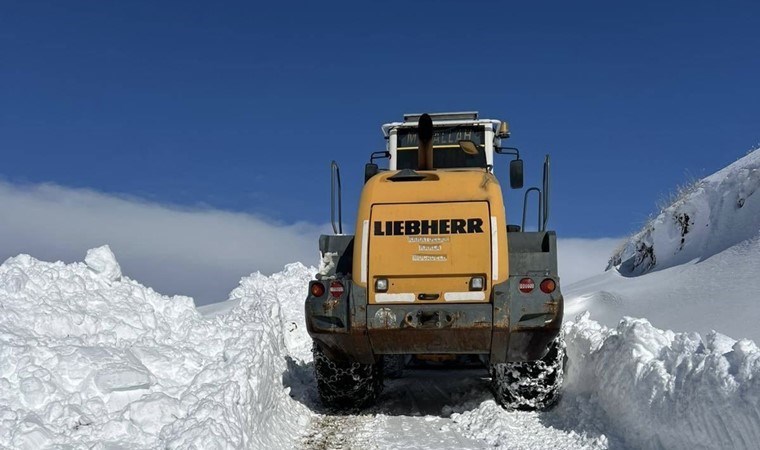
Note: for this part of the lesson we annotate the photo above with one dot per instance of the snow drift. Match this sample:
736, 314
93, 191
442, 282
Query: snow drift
88, 357
636, 386
658, 389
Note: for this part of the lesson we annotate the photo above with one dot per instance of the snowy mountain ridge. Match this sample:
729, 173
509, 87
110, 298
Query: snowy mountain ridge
706, 218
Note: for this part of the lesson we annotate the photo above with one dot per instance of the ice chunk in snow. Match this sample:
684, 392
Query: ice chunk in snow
31, 433
13, 281
101, 260
122, 377
152, 412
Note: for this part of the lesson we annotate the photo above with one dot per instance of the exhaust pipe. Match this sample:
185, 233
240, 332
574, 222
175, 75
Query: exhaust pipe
425, 143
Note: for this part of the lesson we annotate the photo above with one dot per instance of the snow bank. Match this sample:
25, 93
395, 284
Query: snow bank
708, 217
658, 389
89, 357
636, 386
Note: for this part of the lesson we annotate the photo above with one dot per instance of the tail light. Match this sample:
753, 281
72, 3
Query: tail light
336, 289
548, 286
526, 285
317, 289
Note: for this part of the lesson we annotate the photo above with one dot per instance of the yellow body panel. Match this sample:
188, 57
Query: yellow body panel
431, 236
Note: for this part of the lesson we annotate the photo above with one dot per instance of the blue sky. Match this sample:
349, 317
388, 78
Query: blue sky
240, 106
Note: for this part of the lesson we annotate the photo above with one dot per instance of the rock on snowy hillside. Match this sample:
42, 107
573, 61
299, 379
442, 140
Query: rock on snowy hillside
707, 218
694, 267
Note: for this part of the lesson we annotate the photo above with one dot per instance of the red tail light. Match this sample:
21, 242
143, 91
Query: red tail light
548, 286
317, 289
336, 289
526, 285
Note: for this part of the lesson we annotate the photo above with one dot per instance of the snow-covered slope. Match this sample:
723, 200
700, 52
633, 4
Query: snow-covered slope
694, 267
706, 218
90, 357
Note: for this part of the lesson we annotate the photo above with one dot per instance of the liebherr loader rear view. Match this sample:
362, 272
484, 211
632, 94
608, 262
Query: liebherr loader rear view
435, 271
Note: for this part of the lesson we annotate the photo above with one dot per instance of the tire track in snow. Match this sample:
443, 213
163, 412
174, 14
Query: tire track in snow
329, 432
434, 409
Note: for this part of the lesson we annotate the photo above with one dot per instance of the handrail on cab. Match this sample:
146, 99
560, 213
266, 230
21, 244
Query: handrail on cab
335, 181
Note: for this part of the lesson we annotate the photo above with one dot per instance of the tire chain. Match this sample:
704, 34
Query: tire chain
346, 384
532, 385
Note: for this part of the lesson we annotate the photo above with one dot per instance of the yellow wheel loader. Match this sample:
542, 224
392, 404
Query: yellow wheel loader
435, 270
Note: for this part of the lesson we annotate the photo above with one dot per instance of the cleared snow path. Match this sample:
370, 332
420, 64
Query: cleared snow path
434, 409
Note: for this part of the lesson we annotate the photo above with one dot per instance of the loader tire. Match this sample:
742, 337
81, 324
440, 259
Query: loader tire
346, 385
531, 385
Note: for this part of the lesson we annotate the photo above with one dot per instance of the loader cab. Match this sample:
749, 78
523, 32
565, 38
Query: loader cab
449, 129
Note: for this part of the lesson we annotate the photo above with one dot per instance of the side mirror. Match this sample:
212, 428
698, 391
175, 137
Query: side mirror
370, 170
516, 174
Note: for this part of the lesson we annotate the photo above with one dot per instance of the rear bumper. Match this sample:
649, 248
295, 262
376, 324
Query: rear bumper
439, 328
514, 327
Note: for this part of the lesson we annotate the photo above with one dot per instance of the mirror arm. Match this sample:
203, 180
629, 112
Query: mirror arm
379, 155
508, 151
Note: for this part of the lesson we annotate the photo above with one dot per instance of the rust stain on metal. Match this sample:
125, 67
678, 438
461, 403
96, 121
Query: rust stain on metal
431, 340
330, 305
501, 321
385, 318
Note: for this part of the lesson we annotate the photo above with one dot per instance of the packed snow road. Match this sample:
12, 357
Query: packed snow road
413, 413
434, 409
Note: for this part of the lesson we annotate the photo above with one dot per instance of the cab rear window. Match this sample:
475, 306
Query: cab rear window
446, 151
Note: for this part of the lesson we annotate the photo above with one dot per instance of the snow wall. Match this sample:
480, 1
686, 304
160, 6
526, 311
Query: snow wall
90, 357
658, 389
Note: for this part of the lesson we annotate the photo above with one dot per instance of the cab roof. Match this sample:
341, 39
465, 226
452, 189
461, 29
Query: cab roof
441, 119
